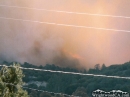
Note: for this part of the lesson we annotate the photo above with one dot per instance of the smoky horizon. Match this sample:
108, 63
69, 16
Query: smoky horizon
66, 46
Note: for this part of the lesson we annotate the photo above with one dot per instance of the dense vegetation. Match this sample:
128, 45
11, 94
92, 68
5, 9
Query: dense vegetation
11, 82
76, 84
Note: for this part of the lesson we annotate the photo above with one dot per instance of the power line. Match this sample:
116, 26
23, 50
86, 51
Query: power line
73, 73
50, 92
66, 25
41, 90
68, 12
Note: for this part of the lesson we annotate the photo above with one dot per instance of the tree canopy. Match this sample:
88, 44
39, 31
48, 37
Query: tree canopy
11, 82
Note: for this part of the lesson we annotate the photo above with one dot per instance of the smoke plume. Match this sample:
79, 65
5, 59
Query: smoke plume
37, 43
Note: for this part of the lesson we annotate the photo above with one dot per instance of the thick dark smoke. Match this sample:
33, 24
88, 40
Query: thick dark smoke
40, 44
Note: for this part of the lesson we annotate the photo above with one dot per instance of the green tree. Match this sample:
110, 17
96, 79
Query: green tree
33, 94
81, 91
103, 66
11, 82
45, 94
97, 66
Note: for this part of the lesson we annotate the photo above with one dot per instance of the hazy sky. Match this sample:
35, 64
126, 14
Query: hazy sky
36, 43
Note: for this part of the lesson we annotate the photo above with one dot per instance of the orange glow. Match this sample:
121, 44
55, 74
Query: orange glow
75, 56
40, 43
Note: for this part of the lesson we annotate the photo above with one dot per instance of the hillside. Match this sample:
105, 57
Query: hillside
76, 84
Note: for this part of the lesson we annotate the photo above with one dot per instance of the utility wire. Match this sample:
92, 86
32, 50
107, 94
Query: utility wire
51, 92
66, 25
68, 12
41, 90
73, 73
